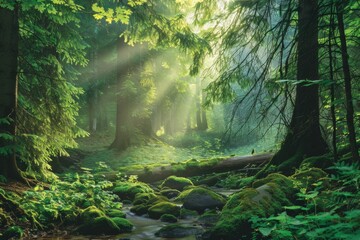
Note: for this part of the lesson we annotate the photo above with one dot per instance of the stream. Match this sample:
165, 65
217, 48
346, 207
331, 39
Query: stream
144, 229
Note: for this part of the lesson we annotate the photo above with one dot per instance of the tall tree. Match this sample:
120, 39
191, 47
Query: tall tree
304, 138
9, 38
347, 79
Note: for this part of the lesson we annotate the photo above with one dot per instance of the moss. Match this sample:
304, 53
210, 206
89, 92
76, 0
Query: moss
186, 213
123, 224
285, 183
161, 208
244, 182
139, 209
322, 162
168, 218
99, 226
115, 213
209, 218
13, 232
141, 198
90, 213
177, 183
306, 178
199, 199
270, 194
128, 190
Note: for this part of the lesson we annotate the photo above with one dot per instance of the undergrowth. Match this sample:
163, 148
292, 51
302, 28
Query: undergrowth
327, 210
61, 203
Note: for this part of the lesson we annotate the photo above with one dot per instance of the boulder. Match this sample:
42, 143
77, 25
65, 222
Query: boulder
178, 183
200, 199
168, 218
99, 226
112, 213
90, 213
161, 208
267, 197
123, 224
170, 193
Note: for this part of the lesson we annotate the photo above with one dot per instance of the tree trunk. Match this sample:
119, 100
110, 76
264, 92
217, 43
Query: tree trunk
9, 38
304, 137
347, 80
332, 87
122, 135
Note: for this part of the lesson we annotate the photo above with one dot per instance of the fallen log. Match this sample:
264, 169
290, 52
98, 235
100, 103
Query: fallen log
195, 167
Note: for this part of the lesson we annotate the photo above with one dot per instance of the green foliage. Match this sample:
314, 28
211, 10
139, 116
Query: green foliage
330, 211
50, 46
14, 232
64, 201
128, 190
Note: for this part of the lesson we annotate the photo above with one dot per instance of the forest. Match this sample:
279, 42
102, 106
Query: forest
186, 119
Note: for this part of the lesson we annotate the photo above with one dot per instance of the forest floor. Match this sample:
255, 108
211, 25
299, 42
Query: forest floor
96, 198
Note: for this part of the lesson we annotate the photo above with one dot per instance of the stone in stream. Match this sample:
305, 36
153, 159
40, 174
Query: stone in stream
200, 199
178, 231
178, 183
157, 210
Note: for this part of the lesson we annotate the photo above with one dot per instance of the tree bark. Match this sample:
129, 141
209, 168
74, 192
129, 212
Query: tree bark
347, 80
304, 137
9, 38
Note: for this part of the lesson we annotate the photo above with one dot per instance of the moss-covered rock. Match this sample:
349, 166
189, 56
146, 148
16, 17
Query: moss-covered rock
188, 214
199, 199
123, 224
285, 183
161, 208
99, 226
140, 209
148, 198
178, 231
168, 218
170, 193
90, 213
306, 178
209, 218
177, 183
112, 213
269, 197
128, 190
13, 232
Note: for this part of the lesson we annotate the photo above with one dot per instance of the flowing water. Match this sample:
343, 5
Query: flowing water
145, 228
